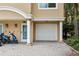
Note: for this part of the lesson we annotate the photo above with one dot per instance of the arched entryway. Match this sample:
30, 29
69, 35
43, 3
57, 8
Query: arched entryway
26, 16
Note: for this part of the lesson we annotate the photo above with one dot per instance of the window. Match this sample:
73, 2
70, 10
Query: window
51, 5
47, 5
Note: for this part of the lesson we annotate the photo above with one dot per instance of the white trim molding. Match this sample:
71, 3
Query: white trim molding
14, 9
28, 31
49, 19
60, 32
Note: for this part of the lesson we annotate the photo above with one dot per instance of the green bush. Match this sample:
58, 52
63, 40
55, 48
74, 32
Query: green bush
76, 46
74, 42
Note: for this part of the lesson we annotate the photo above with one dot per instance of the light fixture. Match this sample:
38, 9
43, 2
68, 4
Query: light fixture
15, 25
24, 21
6, 25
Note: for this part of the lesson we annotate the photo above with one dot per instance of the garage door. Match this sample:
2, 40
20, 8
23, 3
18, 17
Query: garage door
46, 32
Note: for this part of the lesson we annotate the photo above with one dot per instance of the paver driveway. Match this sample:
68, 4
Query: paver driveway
38, 49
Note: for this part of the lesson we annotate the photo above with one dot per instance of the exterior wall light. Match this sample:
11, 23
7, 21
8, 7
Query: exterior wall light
15, 25
24, 21
6, 25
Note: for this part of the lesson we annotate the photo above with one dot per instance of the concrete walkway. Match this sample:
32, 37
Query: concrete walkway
38, 49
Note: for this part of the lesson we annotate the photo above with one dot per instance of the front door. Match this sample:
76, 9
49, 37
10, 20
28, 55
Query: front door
1, 28
24, 33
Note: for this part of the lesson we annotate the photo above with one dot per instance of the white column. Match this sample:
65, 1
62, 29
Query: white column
28, 31
60, 32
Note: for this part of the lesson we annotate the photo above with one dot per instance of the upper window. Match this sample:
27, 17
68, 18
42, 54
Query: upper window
47, 5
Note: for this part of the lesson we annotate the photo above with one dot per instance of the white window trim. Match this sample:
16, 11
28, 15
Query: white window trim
47, 8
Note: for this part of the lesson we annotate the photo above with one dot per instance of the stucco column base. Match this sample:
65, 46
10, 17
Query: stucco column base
29, 44
60, 41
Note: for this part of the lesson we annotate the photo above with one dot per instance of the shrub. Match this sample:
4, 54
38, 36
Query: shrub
74, 42
76, 46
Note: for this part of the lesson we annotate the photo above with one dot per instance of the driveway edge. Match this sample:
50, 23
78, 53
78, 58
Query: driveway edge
73, 50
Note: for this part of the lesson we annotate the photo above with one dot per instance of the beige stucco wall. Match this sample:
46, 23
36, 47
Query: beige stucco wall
33, 8
17, 30
9, 15
11, 18
26, 7
11, 27
59, 12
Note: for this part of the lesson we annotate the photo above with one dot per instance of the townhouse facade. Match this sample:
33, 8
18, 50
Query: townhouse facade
32, 21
